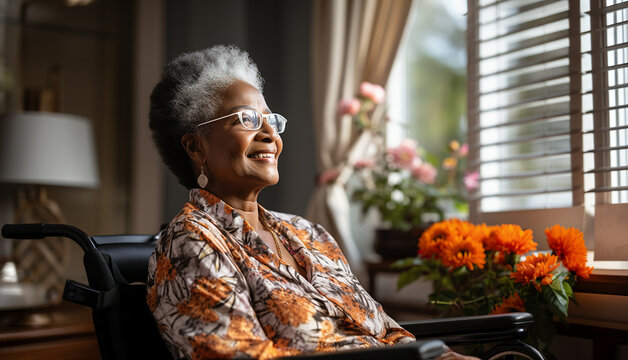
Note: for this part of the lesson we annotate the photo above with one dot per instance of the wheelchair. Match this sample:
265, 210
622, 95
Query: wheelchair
116, 268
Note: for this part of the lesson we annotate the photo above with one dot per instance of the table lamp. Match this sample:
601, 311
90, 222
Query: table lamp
39, 149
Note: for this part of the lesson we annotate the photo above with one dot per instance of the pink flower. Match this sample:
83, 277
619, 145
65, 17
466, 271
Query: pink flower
472, 181
404, 155
364, 163
424, 172
373, 92
327, 176
464, 149
348, 107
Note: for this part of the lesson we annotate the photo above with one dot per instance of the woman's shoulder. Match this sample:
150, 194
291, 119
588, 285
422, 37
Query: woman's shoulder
295, 221
190, 224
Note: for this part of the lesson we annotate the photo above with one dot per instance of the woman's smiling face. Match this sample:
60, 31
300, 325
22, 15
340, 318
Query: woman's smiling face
239, 160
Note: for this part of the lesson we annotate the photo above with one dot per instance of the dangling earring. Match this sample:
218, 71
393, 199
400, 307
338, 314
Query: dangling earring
202, 179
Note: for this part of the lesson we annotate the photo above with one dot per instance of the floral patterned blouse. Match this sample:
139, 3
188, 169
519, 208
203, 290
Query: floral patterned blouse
217, 291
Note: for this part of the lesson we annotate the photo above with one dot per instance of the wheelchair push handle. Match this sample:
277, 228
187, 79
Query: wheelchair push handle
42, 230
102, 278
22, 231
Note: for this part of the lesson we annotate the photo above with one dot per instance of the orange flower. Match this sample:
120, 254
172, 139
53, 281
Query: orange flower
511, 239
482, 233
512, 303
460, 251
536, 267
568, 245
432, 238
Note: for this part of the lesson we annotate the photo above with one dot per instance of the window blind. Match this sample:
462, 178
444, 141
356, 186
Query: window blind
548, 116
605, 129
525, 104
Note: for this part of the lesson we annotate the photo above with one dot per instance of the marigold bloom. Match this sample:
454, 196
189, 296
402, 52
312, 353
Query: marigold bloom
513, 303
511, 239
432, 238
459, 251
536, 267
482, 233
568, 245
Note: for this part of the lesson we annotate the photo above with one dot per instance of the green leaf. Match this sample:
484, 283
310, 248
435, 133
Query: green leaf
409, 276
407, 262
556, 297
568, 290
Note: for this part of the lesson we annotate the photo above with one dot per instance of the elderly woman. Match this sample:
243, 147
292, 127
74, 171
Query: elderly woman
229, 278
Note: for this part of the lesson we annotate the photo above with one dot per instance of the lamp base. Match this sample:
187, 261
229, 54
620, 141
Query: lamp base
41, 262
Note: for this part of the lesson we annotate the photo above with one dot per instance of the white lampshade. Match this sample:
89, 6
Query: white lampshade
47, 149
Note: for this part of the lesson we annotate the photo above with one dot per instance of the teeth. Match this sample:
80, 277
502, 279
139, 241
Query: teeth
262, 156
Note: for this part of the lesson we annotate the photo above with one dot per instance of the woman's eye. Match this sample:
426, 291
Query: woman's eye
248, 121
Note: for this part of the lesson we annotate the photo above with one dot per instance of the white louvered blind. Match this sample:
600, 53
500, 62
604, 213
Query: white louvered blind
524, 104
606, 122
548, 115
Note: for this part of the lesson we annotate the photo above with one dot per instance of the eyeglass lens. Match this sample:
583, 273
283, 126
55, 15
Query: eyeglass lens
253, 120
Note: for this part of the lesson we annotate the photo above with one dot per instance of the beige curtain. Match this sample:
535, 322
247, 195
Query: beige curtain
352, 41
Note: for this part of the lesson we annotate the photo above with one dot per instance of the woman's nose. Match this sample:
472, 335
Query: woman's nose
267, 132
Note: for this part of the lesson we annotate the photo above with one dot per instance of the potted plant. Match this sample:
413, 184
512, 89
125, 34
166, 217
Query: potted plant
407, 186
480, 269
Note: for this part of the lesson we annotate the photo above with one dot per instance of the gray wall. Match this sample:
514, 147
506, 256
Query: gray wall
276, 33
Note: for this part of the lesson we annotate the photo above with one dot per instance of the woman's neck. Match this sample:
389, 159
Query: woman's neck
245, 205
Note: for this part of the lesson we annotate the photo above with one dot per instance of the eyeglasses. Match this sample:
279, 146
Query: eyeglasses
253, 120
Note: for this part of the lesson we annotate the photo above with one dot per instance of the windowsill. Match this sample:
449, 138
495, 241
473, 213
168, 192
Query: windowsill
617, 268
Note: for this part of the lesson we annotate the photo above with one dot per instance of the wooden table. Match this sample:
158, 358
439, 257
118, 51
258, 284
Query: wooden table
69, 335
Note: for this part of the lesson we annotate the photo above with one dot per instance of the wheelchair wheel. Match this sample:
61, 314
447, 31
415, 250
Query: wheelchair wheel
516, 351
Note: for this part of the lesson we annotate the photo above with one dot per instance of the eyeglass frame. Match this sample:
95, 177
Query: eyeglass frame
239, 113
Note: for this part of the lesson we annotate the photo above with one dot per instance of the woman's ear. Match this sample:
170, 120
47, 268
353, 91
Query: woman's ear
193, 147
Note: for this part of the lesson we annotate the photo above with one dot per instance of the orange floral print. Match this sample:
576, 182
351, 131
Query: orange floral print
460, 251
328, 337
151, 298
290, 308
513, 303
329, 250
536, 267
211, 346
230, 299
568, 245
300, 233
206, 293
352, 307
511, 238
209, 197
164, 270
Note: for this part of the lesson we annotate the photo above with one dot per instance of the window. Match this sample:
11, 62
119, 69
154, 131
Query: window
427, 85
548, 115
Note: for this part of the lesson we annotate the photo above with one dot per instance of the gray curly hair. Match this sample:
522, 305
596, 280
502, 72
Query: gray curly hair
190, 92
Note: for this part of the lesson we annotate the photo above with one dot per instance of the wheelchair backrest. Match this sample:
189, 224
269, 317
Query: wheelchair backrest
124, 325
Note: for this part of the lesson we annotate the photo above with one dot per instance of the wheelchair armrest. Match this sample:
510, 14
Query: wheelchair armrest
484, 327
419, 350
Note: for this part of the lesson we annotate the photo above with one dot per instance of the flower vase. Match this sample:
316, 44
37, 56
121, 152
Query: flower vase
393, 244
